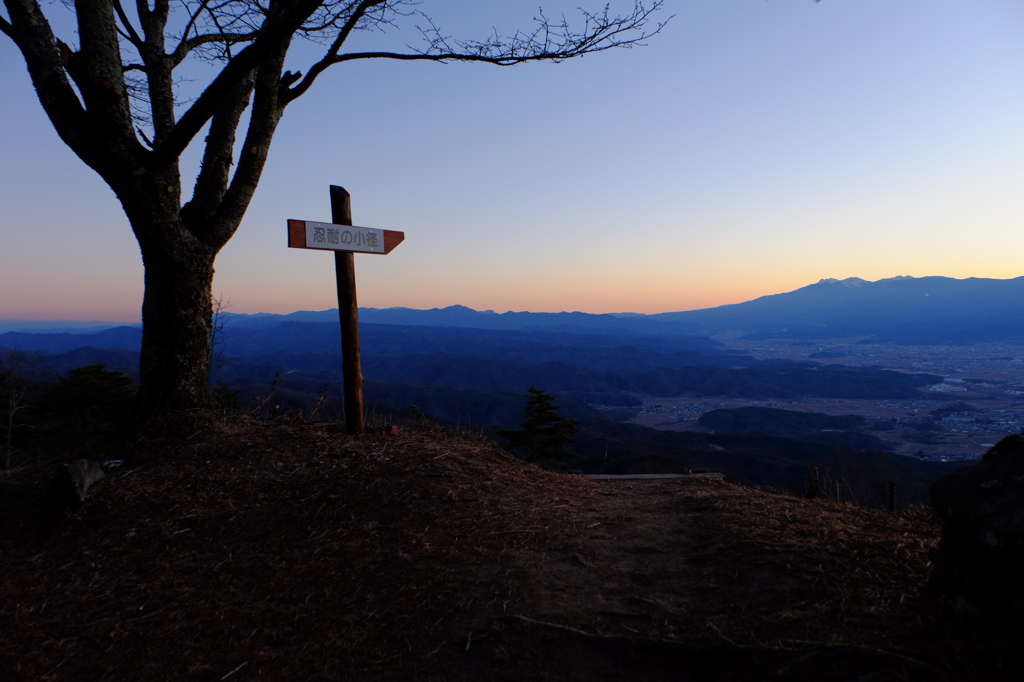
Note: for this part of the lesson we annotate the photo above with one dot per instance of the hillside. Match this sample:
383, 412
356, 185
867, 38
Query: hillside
900, 310
592, 369
256, 550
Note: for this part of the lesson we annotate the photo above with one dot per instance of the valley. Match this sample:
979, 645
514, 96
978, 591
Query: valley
988, 377
840, 377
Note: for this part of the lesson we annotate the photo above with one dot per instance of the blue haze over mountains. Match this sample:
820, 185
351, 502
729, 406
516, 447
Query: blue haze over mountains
472, 368
591, 361
902, 310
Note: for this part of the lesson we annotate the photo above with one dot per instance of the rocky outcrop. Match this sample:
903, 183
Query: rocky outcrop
980, 561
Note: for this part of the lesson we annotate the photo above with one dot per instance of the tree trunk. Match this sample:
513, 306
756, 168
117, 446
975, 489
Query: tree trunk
177, 323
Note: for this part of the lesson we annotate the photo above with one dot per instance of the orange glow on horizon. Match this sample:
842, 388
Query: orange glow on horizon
646, 298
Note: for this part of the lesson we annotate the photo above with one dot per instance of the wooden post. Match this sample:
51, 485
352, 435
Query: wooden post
348, 311
345, 239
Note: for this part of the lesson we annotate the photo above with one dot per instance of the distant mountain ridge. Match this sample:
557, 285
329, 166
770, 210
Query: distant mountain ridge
902, 310
59, 326
120, 338
459, 316
470, 369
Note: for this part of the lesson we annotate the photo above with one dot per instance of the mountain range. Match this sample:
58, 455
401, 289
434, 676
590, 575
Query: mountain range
472, 368
900, 310
596, 359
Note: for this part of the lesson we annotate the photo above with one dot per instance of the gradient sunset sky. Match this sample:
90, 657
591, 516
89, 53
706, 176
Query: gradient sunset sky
752, 148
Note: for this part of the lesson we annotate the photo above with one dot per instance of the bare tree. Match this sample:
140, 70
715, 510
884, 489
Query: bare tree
116, 100
217, 322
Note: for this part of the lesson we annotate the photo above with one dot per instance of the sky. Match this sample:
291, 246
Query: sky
752, 148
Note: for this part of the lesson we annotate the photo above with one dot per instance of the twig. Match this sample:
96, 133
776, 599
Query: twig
58, 665
818, 649
556, 626
718, 633
239, 667
148, 615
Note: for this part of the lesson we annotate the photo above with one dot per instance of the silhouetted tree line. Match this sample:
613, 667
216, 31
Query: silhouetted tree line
83, 409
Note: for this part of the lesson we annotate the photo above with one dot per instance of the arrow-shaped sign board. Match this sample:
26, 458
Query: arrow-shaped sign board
306, 234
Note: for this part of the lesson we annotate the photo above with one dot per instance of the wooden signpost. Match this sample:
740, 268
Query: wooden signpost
345, 240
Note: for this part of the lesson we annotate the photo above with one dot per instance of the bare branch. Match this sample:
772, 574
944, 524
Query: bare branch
331, 57
215, 171
191, 25
226, 39
329, 17
277, 30
137, 84
46, 62
216, 28
145, 138
230, 25
549, 41
263, 120
129, 31
155, 93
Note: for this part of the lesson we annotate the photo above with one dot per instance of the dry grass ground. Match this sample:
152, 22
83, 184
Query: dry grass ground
289, 551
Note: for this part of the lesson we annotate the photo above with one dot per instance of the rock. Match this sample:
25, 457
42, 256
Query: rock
980, 560
73, 481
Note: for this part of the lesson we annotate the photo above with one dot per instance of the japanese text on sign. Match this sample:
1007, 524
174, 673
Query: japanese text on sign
344, 238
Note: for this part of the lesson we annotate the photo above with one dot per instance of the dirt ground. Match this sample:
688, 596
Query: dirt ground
288, 551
